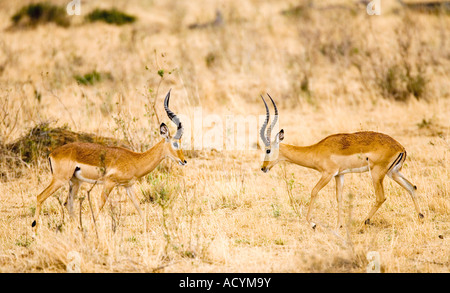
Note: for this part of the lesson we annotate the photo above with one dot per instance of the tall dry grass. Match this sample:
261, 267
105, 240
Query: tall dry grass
330, 66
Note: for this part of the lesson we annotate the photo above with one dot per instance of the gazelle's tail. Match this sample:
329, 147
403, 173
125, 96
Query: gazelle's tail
398, 161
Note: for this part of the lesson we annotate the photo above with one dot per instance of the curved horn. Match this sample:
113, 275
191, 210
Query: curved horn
263, 128
173, 117
269, 130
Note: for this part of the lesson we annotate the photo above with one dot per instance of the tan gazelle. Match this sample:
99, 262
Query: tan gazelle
339, 154
77, 162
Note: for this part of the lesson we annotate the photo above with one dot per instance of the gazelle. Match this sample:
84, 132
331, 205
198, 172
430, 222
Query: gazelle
111, 166
337, 155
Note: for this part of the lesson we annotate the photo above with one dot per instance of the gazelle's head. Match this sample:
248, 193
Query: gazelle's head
172, 144
271, 149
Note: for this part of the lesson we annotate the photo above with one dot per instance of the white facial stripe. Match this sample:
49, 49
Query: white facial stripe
271, 154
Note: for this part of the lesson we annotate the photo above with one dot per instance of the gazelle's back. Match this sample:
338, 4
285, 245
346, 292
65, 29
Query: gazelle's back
91, 153
360, 142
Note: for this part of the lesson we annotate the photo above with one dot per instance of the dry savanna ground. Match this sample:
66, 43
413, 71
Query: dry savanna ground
330, 67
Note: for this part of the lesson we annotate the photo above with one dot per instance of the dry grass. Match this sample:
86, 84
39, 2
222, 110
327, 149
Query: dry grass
330, 70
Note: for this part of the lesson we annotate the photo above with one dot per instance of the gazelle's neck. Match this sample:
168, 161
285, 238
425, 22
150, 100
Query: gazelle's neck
150, 159
297, 154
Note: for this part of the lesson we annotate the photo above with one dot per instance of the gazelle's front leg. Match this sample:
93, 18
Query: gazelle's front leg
339, 188
53, 186
326, 177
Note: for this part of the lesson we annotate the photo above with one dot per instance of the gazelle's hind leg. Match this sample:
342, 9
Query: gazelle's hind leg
403, 182
51, 188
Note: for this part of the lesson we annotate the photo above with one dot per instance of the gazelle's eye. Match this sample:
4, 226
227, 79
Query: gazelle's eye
267, 151
175, 145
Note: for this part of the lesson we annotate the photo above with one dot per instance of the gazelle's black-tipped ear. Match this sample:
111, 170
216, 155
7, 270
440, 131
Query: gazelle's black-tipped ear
280, 135
164, 130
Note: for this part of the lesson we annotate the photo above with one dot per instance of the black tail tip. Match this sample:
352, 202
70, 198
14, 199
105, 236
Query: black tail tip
33, 224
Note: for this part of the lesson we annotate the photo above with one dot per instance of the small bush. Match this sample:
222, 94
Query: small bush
416, 84
88, 78
303, 10
210, 59
93, 77
111, 16
41, 13
391, 84
42, 139
399, 83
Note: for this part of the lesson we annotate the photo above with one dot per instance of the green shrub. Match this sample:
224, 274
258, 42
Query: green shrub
398, 83
88, 78
416, 84
40, 13
391, 84
111, 16
303, 10
93, 77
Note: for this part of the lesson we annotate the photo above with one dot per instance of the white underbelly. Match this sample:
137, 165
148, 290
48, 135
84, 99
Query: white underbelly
79, 175
354, 170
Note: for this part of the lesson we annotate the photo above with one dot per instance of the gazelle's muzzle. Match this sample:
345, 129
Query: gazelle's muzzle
265, 166
182, 163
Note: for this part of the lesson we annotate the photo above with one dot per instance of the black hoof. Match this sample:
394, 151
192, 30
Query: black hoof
421, 216
367, 222
33, 224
